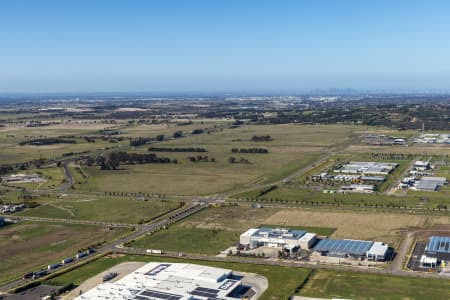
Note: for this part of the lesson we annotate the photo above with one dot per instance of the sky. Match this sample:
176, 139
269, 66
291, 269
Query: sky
223, 45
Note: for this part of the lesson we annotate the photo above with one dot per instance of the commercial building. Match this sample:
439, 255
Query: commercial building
366, 168
355, 249
22, 178
358, 188
422, 165
173, 281
433, 138
430, 184
277, 238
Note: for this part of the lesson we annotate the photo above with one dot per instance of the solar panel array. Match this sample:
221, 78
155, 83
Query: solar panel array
205, 292
157, 295
439, 244
351, 247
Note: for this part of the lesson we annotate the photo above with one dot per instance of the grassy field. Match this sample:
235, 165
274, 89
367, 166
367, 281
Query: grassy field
121, 210
282, 280
192, 240
329, 284
28, 246
292, 148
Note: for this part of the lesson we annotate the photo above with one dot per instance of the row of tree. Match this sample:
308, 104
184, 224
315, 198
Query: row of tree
250, 150
234, 160
200, 158
114, 159
261, 138
186, 149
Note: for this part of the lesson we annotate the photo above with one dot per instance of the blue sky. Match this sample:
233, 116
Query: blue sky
223, 45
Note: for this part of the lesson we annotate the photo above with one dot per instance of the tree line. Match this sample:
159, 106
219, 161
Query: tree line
115, 159
48, 141
250, 150
261, 138
186, 149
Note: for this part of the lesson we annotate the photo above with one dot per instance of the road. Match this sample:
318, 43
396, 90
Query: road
391, 189
70, 180
286, 263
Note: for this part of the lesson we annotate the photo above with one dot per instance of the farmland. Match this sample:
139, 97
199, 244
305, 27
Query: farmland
293, 147
121, 210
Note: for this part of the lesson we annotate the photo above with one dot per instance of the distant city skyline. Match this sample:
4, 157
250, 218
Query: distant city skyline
223, 46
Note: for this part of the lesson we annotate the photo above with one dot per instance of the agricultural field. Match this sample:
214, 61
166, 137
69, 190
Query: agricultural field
120, 210
48, 242
359, 286
282, 280
292, 147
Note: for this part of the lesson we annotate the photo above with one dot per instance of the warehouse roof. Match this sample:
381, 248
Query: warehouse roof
352, 247
438, 244
170, 281
430, 183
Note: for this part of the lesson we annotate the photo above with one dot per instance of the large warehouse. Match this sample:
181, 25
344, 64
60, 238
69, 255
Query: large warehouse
430, 184
277, 238
375, 251
366, 168
173, 281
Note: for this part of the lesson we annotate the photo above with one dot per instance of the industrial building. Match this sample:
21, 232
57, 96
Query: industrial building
422, 165
356, 249
358, 188
433, 138
366, 168
430, 184
277, 238
347, 178
22, 178
173, 281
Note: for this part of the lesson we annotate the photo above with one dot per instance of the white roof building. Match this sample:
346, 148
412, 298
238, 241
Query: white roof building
367, 168
170, 281
277, 237
378, 251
